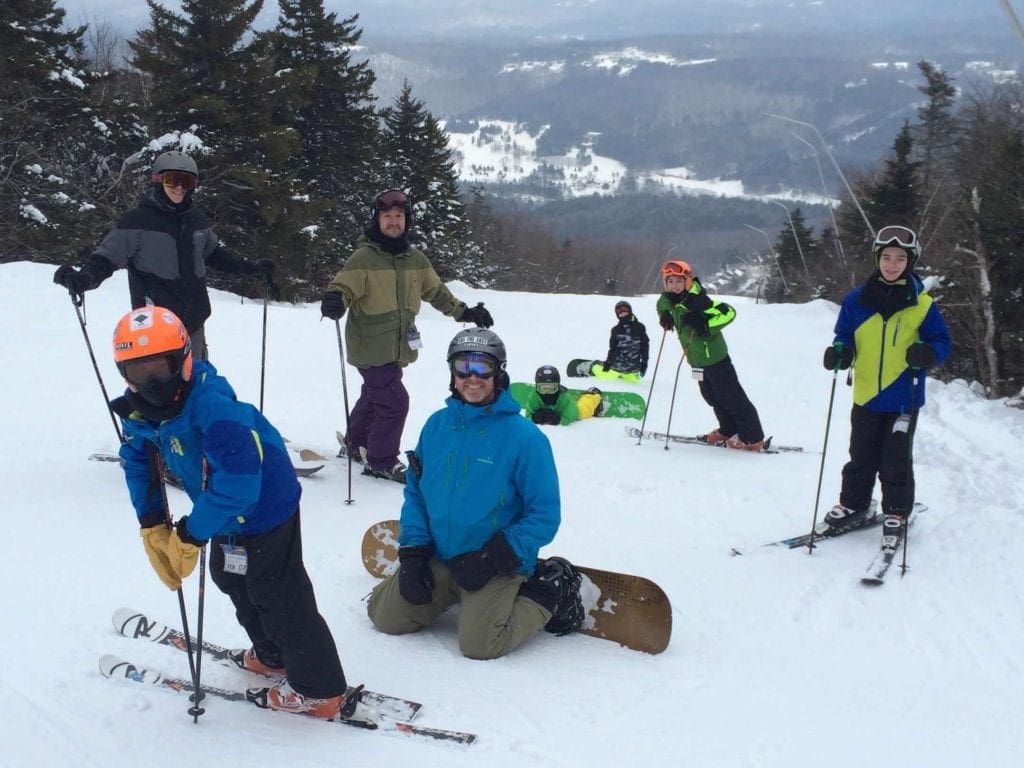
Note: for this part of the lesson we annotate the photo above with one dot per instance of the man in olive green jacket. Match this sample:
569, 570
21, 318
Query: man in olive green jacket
383, 284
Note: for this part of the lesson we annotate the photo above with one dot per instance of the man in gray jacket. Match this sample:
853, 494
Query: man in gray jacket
166, 244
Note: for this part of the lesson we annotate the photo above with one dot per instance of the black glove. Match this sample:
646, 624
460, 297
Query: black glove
920, 355
415, 580
473, 570
838, 357
698, 321
546, 416
332, 305
666, 320
477, 315
75, 280
643, 368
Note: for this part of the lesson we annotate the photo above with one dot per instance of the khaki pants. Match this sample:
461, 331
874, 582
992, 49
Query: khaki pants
492, 621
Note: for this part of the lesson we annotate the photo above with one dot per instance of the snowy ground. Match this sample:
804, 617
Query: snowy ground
777, 658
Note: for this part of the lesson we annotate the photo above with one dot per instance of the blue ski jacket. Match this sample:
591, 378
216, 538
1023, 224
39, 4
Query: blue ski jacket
250, 481
485, 469
882, 380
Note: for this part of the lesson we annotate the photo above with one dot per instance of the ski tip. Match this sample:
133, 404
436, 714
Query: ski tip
126, 619
110, 664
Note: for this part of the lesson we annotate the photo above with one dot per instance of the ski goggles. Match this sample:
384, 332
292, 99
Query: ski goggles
393, 198
622, 309
474, 364
548, 387
142, 369
172, 179
900, 236
676, 268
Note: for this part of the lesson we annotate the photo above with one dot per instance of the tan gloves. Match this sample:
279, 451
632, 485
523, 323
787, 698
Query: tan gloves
171, 558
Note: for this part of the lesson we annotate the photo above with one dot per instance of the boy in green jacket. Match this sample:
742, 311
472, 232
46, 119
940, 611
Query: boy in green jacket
686, 308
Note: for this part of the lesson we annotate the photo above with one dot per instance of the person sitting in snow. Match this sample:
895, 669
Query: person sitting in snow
551, 403
481, 499
628, 348
888, 379
234, 467
698, 320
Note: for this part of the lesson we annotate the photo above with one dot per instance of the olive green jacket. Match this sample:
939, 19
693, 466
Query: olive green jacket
382, 295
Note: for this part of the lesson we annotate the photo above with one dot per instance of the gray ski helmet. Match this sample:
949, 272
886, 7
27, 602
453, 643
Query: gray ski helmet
478, 340
547, 373
175, 161
395, 197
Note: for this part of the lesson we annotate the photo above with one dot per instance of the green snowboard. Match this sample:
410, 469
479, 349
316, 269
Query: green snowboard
623, 405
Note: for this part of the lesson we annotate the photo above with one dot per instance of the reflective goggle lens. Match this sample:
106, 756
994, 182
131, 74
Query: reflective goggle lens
901, 236
677, 268
547, 387
482, 366
392, 199
172, 179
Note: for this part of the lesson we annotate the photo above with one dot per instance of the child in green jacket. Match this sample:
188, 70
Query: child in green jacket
551, 403
686, 308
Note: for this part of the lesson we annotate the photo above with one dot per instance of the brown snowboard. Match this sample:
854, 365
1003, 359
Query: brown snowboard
625, 609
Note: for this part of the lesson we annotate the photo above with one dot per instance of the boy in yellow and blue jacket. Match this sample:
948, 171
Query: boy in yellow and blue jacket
891, 332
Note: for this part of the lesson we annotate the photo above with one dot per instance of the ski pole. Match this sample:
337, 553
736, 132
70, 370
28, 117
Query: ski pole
263, 347
911, 430
197, 710
650, 392
344, 392
156, 473
821, 469
78, 301
672, 405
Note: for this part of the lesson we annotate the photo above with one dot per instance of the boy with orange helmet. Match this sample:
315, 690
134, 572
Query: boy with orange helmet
178, 412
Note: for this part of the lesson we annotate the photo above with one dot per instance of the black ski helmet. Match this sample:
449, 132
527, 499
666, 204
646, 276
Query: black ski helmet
396, 197
623, 305
483, 341
174, 161
547, 374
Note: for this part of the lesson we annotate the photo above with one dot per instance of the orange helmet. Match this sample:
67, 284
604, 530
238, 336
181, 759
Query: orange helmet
678, 268
147, 334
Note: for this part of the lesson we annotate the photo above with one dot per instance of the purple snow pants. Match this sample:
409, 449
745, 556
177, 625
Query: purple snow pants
378, 417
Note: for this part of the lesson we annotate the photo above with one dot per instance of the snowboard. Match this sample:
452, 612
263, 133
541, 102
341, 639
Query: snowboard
578, 368
626, 609
622, 405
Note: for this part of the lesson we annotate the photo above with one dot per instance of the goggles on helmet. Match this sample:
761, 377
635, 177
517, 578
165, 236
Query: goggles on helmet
393, 198
676, 268
622, 309
479, 364
172, 179
896, 235
547, 387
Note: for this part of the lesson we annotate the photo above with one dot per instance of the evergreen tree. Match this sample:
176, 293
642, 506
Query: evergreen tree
417, 158
891, 199
55, 148
338, 123
937, 129
796, 249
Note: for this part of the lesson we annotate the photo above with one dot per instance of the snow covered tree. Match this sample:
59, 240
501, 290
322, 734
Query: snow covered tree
57, 151
416, 157
330, 110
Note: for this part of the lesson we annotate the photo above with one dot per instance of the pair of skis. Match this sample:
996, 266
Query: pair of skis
880, 563
375, 711
769, 445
